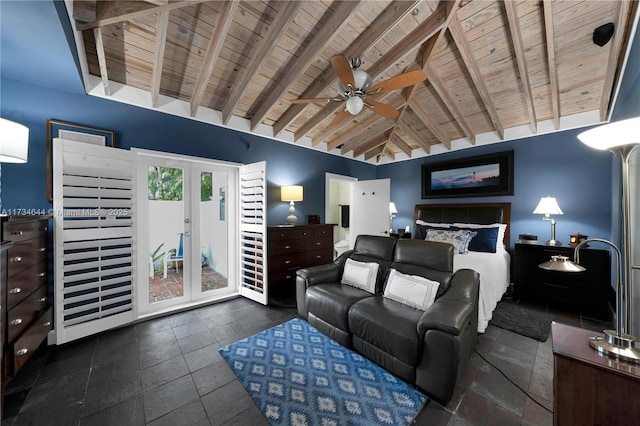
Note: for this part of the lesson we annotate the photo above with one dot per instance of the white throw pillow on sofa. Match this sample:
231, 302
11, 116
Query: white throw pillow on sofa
360, 274
412, 290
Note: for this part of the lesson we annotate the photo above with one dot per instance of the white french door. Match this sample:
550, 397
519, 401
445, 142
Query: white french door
187, 216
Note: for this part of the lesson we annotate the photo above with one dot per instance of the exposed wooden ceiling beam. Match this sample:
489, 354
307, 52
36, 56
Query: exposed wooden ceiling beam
614, 59
418, 36
379, 28
225, 19
112, 12
518, 47
361, 137
457, 32
400, 144
551, 61
284, 18
102, 60
415, 136
421, 113
440, 88
376, 152
84, 10
337, 20
371, 144
353, 131
158, 55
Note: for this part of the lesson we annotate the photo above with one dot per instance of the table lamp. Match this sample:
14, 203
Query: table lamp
291, 193
14, 145
548, 206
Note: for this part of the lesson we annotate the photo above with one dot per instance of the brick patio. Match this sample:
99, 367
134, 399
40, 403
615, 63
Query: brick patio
161, 288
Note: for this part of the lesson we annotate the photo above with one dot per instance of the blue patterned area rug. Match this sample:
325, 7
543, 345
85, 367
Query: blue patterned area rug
298, 376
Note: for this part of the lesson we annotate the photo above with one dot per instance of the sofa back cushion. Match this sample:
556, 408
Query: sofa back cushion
429, 259
378, 249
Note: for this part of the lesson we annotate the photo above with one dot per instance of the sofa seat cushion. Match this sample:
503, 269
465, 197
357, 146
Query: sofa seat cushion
331, 302
388, 325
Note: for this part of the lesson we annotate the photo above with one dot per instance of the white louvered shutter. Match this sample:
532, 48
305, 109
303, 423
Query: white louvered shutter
253, 232
94, 238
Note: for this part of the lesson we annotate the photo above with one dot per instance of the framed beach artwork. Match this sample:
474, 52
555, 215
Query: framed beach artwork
479, 176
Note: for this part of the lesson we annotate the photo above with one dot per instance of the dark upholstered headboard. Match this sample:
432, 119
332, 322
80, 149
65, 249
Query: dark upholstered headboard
480, 213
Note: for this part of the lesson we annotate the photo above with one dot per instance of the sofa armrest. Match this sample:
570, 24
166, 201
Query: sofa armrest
452, 311
329, 273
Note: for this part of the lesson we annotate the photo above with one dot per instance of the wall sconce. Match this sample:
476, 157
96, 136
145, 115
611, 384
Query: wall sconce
548, 206
291, 193
14, 145
617, 343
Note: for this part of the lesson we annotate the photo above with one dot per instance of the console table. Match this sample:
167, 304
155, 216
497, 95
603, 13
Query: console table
589, 291
590, 388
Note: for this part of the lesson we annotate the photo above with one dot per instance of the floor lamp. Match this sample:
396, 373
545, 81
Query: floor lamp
622, 138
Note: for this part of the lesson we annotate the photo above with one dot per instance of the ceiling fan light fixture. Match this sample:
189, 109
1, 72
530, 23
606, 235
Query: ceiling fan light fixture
354, 105
362, 79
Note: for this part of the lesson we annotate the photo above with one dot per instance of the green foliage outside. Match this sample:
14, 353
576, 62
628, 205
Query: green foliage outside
166, 184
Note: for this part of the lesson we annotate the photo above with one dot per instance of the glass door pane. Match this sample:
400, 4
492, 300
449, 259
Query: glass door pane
168, 233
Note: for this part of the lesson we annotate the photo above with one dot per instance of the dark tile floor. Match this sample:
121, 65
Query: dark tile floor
168, 371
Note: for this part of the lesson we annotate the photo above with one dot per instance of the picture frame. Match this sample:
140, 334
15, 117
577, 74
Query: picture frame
478, 176
76, 132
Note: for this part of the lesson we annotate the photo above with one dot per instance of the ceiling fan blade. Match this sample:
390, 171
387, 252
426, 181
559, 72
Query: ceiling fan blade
340, 117
311, 100
382, 109
342, 68
400, 81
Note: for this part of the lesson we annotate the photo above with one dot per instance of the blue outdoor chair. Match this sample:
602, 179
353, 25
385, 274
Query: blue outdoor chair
175, 258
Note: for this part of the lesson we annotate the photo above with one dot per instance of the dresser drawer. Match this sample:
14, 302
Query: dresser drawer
24, 347
319, 257
25, 254
280, 279
318, 243
17, 231
285, 262
23, 283
287, 234
286, 246
325, 231
19, 318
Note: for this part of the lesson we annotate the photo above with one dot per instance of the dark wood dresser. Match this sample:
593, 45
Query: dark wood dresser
27, 312
290, 248
590, 291
589, 388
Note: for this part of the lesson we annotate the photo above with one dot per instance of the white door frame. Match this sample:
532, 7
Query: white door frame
328, 177
144, 307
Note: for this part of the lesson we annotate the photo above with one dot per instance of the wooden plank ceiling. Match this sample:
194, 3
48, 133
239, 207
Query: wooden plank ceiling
490, 65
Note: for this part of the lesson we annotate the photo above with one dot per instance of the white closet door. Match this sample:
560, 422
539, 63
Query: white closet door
94, 238
253, 232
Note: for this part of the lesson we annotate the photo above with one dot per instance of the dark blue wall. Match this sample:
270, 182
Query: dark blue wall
557, 165
24, 185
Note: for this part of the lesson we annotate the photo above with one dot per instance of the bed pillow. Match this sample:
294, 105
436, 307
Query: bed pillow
501, 231
459, 238
421, 228
411, 290
485, 240
361, 275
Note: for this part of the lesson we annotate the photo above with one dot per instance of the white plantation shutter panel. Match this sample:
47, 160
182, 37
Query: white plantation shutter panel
94, 238
253, 232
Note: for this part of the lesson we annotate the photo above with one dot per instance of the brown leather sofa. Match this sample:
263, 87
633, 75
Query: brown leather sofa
426, 348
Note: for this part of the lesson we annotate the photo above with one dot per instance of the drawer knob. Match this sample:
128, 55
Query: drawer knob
42, 249
22, 351
16, 321
18, 232
42, 274
16, 259
15, 290
318, 244
42, 299
287, 247
47, 324
318, 257
287, 262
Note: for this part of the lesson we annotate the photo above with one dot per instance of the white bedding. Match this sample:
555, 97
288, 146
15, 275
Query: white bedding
494, 270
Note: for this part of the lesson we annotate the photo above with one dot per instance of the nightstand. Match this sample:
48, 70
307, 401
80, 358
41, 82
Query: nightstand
590, 291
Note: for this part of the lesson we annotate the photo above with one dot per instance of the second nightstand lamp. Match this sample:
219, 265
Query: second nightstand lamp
549, 206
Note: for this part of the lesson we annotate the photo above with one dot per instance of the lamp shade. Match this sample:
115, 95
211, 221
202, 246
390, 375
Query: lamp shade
291, 193
624, 132
549, 206
392, 208
561, 264
14, 142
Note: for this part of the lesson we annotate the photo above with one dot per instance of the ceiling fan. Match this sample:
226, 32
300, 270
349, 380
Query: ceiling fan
355, 87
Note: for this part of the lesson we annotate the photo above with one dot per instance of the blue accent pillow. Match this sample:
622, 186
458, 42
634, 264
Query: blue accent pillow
485, 240
459, 238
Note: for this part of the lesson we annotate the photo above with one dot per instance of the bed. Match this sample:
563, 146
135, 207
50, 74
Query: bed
494, 268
